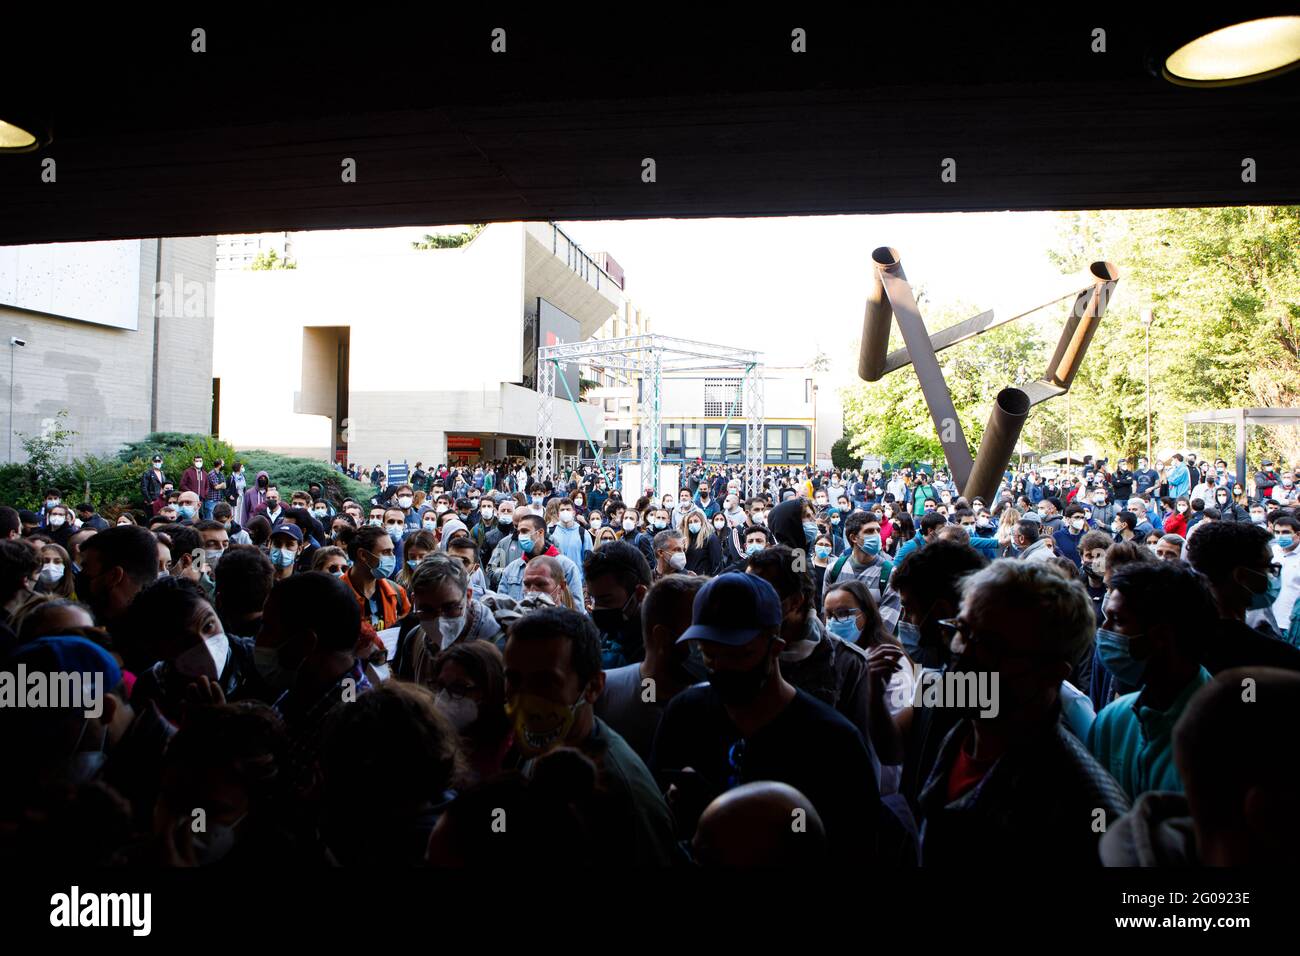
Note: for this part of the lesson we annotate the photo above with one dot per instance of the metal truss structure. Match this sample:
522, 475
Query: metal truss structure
651, 359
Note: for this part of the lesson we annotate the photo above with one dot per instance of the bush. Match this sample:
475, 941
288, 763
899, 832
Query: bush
113, 484
294, 474
841, 456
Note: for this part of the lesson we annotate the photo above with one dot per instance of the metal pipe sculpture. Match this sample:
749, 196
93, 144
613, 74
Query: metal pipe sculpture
891, 298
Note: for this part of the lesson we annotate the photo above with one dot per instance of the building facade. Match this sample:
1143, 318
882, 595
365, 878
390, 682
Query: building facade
389, 353
117, 334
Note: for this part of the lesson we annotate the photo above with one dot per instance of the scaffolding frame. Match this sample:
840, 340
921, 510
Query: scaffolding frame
649, 359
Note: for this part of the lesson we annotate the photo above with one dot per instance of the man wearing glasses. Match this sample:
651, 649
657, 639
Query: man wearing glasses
1011, 783
748, 723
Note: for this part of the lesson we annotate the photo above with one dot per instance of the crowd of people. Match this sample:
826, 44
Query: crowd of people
485, 666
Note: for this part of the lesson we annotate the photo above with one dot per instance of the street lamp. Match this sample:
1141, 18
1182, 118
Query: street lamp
1147, 318
15, 344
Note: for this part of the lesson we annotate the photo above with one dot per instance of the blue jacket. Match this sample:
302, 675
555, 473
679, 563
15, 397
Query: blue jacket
574, 543
1067, 544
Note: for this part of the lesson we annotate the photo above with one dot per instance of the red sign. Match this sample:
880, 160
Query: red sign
463, 443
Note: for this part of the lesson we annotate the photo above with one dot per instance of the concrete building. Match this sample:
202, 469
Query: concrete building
387, 353
239, 252
101, 345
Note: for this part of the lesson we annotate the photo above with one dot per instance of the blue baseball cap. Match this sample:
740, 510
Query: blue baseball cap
733, 609
70, 654
289, 528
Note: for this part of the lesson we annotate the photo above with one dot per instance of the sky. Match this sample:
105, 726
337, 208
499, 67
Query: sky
789, 287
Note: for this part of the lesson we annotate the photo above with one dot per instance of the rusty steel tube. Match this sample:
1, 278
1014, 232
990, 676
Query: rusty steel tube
876, 320
1010, 411
1080, 328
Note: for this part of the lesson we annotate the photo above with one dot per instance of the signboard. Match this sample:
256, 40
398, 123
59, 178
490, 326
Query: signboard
630, 481
95, 282
464, 443
556, 327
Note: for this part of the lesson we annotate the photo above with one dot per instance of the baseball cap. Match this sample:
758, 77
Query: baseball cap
732, 609
289, 528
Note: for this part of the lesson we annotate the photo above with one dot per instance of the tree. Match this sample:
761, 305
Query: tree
449, 241
841, 456
270, 259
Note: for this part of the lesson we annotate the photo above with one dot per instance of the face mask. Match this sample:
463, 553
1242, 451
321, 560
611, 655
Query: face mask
51, 573
1262, 599
56, 521
719, 525
431, 526
395, 532
1116, 527
461, 712
1284, 541
282, 558
272, 505
505, 519
823, 551
566, 518
982, 522
759, 517
677, 561
404, 502
276, 677
387, 565
1182, 508
85, 765
737, 688
844, 630
693, 527
541, 724
319, 512
1256, 518
212, 557
1077, 524
1113, 649
871, 544
527, 545
537, 499
486, 514
186, 512
449, 629
595, 522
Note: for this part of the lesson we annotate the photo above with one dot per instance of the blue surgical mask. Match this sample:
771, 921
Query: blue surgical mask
1266, 598
754, 548
1113, 649
871, 544
387, 564
527, 545
823, 551
844, 630
1285, 541
282, 558
186, 512
395, 532
810, 531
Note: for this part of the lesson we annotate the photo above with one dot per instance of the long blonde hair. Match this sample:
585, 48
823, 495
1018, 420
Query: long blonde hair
1007, 524
699, 539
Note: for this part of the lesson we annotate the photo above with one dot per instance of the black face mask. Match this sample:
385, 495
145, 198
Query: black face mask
612, 620
737, 688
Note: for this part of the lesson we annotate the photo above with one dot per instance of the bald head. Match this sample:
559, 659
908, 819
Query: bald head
760, 824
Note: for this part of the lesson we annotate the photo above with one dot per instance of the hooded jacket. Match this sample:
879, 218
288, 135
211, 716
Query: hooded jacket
785, 521
452, 526
1158, 831
254, 498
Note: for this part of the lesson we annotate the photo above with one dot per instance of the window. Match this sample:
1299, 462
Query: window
786, 445
722, 398
796, 440
611, 405
693, 448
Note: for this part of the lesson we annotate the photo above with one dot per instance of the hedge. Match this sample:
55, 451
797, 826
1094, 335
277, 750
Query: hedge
112, 484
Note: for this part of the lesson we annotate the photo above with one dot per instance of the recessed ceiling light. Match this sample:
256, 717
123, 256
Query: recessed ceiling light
15, 138
1240, 53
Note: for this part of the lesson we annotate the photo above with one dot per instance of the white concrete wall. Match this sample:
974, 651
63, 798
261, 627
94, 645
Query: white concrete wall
103, 376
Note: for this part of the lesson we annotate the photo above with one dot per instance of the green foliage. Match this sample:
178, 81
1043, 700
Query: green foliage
270, 259
449, 240
1224, 288
842, 456
295, 474
903, 447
